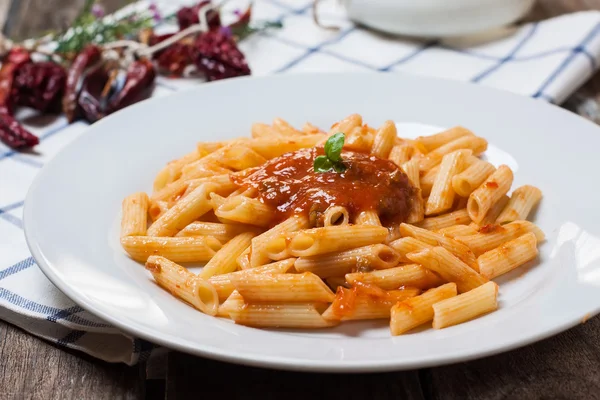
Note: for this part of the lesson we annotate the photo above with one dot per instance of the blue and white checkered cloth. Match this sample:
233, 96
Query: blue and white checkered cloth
546, 60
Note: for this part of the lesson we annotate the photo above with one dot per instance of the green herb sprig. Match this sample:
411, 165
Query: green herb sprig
332, 160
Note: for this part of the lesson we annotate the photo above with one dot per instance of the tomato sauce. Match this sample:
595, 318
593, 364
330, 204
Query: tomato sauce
289, 184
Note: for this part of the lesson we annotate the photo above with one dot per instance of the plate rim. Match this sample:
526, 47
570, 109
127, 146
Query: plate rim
154, 335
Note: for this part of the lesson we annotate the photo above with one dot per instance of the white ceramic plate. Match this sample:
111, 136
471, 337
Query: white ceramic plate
72, 216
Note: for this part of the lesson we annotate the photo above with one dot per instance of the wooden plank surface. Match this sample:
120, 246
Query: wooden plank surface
33, 369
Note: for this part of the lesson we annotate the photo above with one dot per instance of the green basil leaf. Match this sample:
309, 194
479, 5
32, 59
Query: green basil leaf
333, 147
339, 167
322, 164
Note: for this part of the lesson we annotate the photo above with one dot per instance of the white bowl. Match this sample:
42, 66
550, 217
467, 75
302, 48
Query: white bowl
436, 18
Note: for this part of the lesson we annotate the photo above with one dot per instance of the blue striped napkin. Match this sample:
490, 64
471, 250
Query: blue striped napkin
546, 60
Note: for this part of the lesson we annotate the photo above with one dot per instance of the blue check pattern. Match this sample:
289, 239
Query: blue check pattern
546, 60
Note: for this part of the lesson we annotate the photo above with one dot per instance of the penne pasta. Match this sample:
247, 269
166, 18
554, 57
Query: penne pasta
449, 267
460, 217
418, 310
282, 288
458, 230
222, 232
476, 144
376, 256
336, 215
521, 202
407, 245
366, 306
508, 256
495, 235
284, 128
441, 197
223, 284
490, 192
428, 179
416, 212
328, 239
369, 217
401, 154
183, 284
258, 255
274, 147
435, 239
471, 178
134, 220
432, 142
277, 315
493, 213
180, 249
413, 275
172, 171
466, 306
240, 157
243, 261
245, 210
260, 130
156, 209
185, 211
310, 129
225, 259
347, 124
358, 139
384, 140
411, 169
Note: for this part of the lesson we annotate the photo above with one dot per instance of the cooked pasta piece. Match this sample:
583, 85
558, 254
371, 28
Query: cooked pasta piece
413, 275
384, 140
449, 267
428, 179
183, 284
282, 288
177, 249
442, 194
411, 169
347, 124
310, 129
258, 255
225, 260
260, 130
471, 178
458, 230
223, 283
416, 212
280, 315
495, 235
222, 232
245, 210
476, 144
274, 147
183, 212
366, 306
435, 239
369, 217
401, 153
376, 256
494, 212
490, 192
460, 217
521, 202
328, 239
432, 142
243, 261
411, 313
240, 157
157, 208
357, 139
284, 128
508, 256
465, 306
336, 215
407, 245
172, 171
134, 220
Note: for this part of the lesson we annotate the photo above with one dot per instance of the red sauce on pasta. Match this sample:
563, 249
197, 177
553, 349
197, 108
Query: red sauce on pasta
289, 184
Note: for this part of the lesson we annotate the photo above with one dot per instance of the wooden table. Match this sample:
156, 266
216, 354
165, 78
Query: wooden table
566, 366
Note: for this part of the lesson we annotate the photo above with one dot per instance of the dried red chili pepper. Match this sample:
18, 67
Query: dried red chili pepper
187, 16
89, 100
106, 90
40, 86
88, 57
14, 135
139, 84
217, 56
175, 58
15, 58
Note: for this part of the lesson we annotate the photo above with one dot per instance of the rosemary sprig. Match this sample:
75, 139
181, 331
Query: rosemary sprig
88, 28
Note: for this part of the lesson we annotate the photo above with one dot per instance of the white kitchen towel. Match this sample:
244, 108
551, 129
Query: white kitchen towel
546, 60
